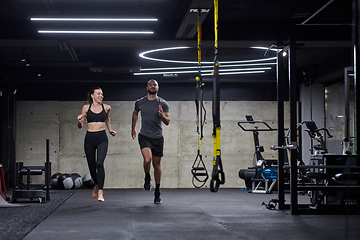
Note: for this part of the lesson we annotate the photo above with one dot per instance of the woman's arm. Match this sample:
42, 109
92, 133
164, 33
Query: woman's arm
107, 120
81, 118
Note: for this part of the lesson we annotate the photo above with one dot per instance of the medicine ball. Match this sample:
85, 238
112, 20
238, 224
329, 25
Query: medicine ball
65, 181
77, 179
88, 181
54, 180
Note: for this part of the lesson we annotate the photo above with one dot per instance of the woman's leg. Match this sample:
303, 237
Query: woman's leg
101, 154
90, 152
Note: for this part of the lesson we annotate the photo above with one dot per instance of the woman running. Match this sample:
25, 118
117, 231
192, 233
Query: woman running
96, 141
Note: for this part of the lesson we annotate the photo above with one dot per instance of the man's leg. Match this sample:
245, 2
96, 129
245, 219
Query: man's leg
147, 155
157, 169
157, 174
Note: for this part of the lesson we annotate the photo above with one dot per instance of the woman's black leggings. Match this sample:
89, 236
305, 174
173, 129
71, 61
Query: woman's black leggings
96, 143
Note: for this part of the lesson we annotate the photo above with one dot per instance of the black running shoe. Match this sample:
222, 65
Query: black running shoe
147, 185
157, 199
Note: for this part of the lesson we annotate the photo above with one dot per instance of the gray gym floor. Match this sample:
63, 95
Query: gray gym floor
186, 214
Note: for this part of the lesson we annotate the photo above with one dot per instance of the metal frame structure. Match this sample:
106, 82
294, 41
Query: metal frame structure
294, 206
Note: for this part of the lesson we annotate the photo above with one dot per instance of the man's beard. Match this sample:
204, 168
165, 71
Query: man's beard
152, 92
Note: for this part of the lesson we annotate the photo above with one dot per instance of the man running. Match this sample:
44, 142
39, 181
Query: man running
154, 111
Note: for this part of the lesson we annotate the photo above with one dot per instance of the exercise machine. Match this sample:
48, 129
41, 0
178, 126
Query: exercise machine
262, 177
333, 179
316, 135
41, 195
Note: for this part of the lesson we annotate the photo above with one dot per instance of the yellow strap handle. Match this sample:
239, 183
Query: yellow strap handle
216, 142
216, 15
199, 39
216, 137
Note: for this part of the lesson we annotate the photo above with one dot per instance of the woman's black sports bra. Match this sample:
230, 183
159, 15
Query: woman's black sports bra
96, 117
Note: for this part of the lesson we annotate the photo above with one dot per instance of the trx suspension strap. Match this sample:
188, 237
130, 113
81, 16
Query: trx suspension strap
198, 169
218, 175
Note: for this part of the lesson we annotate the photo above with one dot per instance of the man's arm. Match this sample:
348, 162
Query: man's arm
135, 117
165, 116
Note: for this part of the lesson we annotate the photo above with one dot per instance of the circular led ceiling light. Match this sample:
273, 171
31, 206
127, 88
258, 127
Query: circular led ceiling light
142, 55
225, 64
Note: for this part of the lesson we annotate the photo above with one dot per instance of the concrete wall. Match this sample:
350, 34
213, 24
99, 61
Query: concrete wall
56, 121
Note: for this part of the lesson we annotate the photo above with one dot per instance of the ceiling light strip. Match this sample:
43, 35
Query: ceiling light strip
266, 48
233, 73
247, 64
206, 71
177, 72
245, 69
248, 61
172, 68
196, 67
95, 32
97, 19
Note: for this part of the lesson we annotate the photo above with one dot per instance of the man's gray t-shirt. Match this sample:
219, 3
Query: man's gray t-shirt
150, 119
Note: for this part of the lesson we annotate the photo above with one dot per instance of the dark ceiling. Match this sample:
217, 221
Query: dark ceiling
323, 33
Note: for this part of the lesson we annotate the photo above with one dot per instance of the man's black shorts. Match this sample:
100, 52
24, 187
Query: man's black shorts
155, 144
